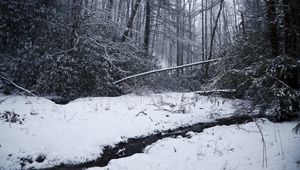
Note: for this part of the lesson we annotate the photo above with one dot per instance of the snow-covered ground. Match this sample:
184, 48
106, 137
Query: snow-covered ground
77, 132
221, 148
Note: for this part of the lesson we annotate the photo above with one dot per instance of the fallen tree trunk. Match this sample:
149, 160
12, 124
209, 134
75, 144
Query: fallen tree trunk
216, 91
166, 69
222, 92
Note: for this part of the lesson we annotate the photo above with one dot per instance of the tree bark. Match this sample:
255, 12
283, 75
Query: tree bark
75, 23
130, 21
213, 36
110, 6
189, 58
287, 27
147, 27
156, 26
295, 31
235, 17
202, 28
243, 24
291, 9
272, 24
205, 30
178, 31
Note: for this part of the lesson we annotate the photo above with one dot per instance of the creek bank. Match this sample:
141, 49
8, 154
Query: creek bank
137, 145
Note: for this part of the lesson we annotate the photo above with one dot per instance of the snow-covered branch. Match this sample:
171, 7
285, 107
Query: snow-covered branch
19, 87
166, 69
216, 91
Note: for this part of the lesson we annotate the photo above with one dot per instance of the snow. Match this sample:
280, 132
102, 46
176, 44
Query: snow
221, 147
77, 132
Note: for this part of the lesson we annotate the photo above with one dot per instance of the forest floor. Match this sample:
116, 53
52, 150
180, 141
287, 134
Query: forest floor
37, 133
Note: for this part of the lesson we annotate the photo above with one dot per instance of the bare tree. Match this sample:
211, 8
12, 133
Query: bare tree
147, 26
213, 36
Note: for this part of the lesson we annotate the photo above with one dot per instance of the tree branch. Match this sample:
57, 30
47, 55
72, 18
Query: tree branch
17, 86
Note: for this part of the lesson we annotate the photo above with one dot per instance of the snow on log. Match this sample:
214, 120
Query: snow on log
220, 91
167, 69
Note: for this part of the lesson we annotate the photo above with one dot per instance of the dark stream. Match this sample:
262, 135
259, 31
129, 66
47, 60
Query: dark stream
137, 145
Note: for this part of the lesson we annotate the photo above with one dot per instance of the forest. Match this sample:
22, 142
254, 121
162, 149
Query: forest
176, 62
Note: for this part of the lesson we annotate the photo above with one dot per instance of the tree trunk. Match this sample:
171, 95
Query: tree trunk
272, 24
213, 36
178, 31
291, 9
130, 21
147, 27
295, 32
287, 28
110, 6
243, 24
235, 17
189, 57
156, 26
205, 30
182, 26
76, 16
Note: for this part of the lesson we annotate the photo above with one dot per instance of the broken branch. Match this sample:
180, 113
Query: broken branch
19, 87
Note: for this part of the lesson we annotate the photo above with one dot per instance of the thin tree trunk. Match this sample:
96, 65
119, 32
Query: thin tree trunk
119, 16
213, 36
178, 31
110, 9
138, 26
86, 8
211, 20
189, 57
272, 24
202, 28
156, 26
147, 27
205, 30
243, 24
182, 26
235, 17
76, 13
294, 6
171, 55
287, 28
164, 42
127, 11
130, 21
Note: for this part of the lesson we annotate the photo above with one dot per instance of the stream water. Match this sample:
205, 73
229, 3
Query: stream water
137, 145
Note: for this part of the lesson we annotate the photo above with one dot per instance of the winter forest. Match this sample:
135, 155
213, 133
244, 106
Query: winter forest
150, 84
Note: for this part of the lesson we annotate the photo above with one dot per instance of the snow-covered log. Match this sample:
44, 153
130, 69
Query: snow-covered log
166, 69
218, 91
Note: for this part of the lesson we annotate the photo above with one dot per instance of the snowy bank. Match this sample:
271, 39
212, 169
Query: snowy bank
222, 147
47, 134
